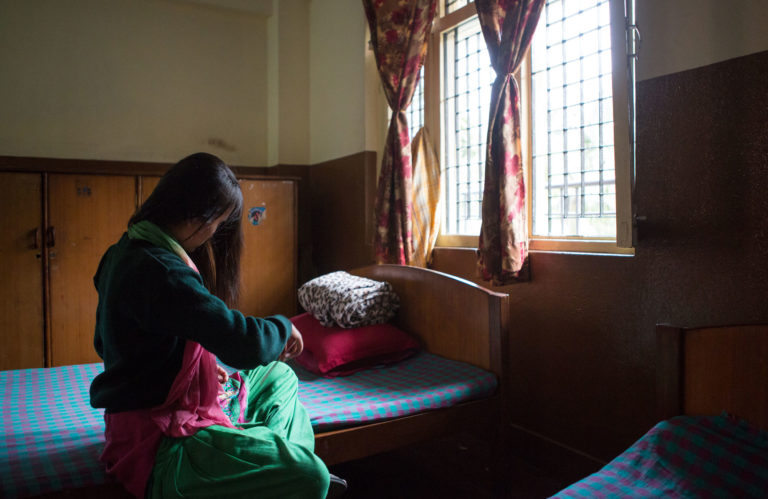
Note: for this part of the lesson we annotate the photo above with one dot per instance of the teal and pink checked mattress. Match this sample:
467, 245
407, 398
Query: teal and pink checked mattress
686, 456
52, 437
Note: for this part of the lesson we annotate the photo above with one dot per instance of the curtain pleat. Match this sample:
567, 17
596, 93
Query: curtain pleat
426, 198
399, 32
502, 255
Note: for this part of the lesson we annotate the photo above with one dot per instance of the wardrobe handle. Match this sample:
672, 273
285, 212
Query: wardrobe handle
50, 237
34, 234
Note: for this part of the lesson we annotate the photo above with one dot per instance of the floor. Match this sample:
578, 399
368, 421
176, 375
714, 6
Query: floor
452, 467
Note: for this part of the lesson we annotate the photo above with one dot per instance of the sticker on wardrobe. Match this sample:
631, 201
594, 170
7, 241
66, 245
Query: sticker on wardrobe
257, 214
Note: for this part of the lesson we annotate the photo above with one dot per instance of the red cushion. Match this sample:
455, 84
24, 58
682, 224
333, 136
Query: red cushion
335, 351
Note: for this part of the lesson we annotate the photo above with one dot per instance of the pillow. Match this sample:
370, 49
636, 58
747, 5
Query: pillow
335, 351
344, 300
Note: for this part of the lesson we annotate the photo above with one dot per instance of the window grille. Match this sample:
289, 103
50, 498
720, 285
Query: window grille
415, 111
467, 80
574, 185
454, 5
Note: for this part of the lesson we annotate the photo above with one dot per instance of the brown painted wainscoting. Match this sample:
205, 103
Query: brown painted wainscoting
342, 194
582, 347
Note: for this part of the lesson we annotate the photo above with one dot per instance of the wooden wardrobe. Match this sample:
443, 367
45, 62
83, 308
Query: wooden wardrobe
60, 216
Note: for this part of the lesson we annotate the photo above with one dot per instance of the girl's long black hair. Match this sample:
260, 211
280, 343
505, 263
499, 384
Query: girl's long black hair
201, 186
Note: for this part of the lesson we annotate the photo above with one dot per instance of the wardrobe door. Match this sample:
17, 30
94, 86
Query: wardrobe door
148, 184
21, 272
86, 214
269, 259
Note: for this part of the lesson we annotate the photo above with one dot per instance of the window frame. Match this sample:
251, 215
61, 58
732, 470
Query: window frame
433, 98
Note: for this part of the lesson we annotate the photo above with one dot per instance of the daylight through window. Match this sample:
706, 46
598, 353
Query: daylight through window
568, 104
467, 81
574, 186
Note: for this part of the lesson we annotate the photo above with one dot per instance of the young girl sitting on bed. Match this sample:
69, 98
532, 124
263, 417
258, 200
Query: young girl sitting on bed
166, 289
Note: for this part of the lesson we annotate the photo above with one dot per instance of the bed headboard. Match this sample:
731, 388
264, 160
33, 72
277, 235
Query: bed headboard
453, 317
708, 370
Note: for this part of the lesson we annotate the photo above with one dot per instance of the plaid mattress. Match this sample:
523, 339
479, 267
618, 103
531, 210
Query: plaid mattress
52, 437
422, 382
686, 456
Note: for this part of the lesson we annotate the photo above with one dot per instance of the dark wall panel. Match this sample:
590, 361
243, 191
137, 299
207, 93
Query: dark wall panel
582, 350
342, 197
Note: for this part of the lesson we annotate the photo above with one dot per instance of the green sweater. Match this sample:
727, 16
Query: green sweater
150, 303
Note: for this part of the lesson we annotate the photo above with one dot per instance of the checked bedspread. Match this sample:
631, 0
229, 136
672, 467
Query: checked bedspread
417, 384
686, 456
52, 437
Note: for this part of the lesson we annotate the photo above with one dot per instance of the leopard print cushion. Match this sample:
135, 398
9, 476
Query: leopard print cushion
344, 300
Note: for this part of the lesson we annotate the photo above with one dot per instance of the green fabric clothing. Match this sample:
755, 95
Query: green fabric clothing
271, 456
150, 303
153, 234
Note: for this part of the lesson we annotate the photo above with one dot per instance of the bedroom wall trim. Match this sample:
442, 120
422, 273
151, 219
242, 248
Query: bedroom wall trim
119, 167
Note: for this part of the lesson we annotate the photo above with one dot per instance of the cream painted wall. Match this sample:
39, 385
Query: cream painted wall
288, 82
376, 107
293, 77
337, 79
273, 80
685, 34
145, 80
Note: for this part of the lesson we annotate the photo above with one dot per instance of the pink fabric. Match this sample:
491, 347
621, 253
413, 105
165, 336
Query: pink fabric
192, 401
129, 454
334, 351
242, 397
132, 437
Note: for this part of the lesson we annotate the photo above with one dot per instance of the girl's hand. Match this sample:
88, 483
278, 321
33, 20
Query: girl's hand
222, 374
293, 347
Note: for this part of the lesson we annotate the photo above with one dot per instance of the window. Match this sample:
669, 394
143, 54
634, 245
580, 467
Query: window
573, 95
415, 112
466, 91
573, 167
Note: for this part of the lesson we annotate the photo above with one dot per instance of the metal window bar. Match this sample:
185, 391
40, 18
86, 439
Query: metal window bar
415, 111
467, 84
574, 43
454, 5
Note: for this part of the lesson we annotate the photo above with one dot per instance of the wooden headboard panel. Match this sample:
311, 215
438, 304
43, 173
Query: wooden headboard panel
708, 370
453, 317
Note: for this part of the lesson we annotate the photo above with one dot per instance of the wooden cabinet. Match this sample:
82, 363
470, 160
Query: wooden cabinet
86, 214
21, 271
269, 259
57, 226
268, 264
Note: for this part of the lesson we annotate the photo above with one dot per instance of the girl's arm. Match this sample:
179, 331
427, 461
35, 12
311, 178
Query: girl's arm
171, 299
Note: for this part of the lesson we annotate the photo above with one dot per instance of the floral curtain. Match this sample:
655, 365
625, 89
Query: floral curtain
399, 31
508, 26
425, 198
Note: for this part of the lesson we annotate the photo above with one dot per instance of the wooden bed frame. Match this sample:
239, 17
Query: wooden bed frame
454, 318
701, 371
708, 370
